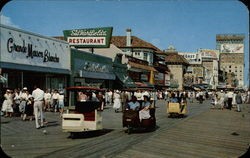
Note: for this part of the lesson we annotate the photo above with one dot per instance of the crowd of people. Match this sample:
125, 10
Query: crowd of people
219, 99
30, 106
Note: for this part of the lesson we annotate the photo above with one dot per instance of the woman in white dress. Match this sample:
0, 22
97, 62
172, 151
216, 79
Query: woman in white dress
117, 101
234, 101
144, 113
7, 104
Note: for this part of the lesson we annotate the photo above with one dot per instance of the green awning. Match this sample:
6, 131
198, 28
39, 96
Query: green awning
126, 80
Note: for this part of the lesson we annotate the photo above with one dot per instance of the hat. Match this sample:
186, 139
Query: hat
25, 88
7, 90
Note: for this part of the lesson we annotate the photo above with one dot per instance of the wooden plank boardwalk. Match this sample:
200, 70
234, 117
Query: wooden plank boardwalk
212, 134
203, 133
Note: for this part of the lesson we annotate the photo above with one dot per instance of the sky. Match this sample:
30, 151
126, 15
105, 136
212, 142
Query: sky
187, 25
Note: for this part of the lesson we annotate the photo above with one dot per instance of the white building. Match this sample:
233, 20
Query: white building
210, 61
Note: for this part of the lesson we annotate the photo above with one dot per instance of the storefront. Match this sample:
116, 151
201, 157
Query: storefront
29, 59
91, 70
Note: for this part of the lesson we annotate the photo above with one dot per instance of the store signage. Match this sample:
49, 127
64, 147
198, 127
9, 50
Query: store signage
95, 67
30, 52
89, 38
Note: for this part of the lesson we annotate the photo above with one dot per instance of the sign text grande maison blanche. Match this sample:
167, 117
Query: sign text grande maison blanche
89, 38
31, 53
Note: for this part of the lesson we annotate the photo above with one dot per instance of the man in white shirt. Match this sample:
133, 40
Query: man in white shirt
38, 96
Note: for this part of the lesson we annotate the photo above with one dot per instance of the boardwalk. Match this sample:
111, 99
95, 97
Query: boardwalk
203, 133
212, 134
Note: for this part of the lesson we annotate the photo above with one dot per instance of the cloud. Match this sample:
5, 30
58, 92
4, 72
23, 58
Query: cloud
7, 21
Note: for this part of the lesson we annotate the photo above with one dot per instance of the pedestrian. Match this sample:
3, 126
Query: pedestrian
7, 104
16, 102
29, 110
38, 96
23, 99
117, 101
229, 99
166, 95
61, 103
244, 97
221, 98
238, 101
215, 100
153, 98
234, 104
55, 100
47, 98
248, 97
225, 99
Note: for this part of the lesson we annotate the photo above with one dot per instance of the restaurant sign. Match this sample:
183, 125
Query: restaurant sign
89, 38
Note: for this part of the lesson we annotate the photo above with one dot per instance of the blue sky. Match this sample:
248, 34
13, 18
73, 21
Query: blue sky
188, 25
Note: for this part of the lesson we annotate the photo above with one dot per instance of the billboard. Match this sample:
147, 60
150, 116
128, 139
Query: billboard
232, 48
207, 53
89, 38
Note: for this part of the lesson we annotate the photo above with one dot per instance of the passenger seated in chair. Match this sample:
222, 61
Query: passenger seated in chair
82, 97
173, 98
133, 104
144, 112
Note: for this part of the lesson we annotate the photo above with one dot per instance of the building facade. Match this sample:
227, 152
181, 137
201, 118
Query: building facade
29, 59
91, 70
177, 65
195, 73
231, 59
210, 61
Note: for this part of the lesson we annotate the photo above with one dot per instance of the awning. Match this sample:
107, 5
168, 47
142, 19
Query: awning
144, 67
126, 80
2, 79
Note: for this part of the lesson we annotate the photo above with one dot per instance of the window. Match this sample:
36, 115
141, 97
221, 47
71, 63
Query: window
145, 57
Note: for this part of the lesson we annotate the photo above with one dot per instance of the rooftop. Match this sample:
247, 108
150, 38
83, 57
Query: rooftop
120, 41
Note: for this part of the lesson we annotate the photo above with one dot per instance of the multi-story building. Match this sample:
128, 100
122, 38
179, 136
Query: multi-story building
195, 72
210, 60
141, 64
231, 59
177, 65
